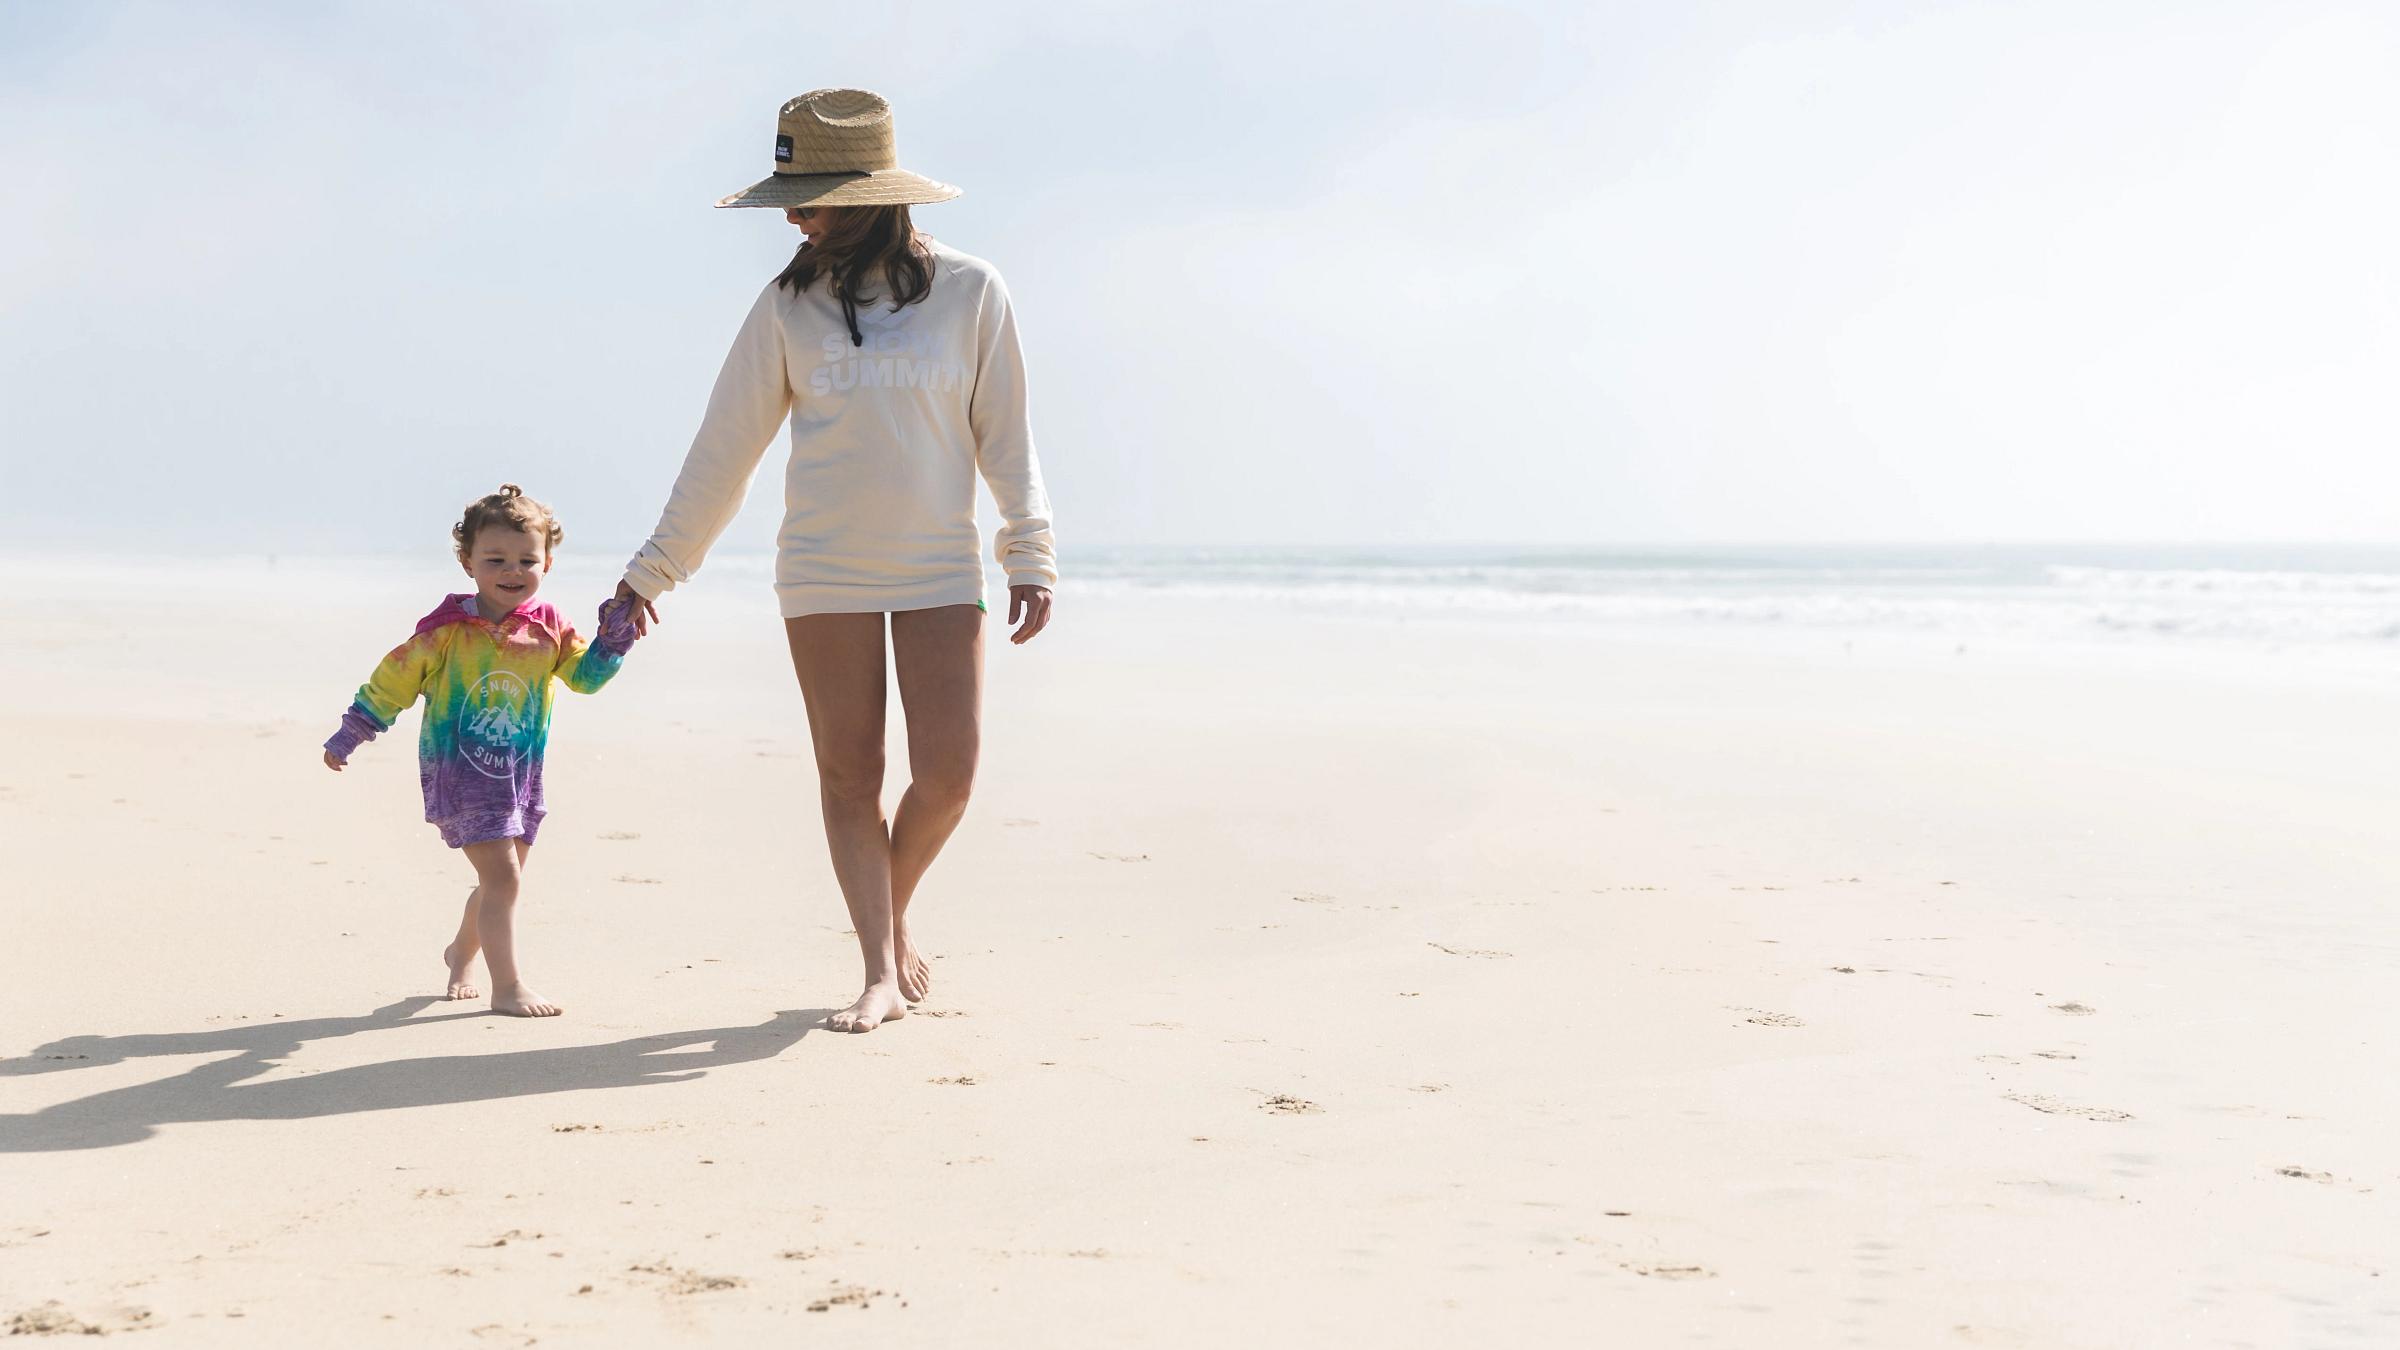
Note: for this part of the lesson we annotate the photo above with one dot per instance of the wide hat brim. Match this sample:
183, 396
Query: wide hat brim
883, 187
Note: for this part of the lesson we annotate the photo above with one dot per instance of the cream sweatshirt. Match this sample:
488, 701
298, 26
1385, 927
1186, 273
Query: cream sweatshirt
887, 440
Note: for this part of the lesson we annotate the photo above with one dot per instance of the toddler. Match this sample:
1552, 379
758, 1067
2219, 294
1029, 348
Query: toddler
483, 662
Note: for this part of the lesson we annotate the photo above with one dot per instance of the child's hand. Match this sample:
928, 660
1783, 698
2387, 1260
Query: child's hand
644, 613
620, 622
334, 761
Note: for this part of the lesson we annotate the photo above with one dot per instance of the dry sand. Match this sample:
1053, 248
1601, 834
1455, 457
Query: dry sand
1302, 980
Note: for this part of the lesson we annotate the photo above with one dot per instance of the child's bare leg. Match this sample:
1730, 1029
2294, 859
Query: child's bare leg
460, 954
499, 869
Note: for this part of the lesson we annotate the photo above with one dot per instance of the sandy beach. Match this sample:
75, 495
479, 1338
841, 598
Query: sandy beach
1302, 979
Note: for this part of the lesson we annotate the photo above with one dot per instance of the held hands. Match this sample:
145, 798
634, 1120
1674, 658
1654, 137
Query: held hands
644, 612
1033, 603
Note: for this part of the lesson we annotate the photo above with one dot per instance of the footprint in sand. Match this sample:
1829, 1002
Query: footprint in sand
1313, 898
1479, 953
1283, 1105
2053, 1054
959, 1080
516, 1234
852, 1296
1760, 1017
693, 1282
937, 1012
2303, 1174
1674, 1272
2073, 1009
53, 1319
686, 1282
2052, 1106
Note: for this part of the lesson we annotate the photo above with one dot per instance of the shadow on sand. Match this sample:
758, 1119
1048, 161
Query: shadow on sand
219, 1090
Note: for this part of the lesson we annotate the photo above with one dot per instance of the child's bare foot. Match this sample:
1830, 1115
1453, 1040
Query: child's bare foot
461, 985
522, 1002
878, 1005
916, 977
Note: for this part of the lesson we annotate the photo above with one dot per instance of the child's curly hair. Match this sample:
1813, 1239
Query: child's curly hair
508, 507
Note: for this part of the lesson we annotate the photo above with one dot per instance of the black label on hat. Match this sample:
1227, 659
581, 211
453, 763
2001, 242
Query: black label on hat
783, 149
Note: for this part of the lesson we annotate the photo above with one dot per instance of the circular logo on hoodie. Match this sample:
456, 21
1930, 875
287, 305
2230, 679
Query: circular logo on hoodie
492, 734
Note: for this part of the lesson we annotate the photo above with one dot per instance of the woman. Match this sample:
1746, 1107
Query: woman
896, 360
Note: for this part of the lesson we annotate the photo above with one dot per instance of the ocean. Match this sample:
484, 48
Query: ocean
2339, 601
2256, 596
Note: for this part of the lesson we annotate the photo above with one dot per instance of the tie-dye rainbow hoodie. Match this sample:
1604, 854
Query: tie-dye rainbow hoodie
487, 691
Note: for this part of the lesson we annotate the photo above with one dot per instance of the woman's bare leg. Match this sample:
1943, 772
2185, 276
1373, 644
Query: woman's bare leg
839, 659
938, 655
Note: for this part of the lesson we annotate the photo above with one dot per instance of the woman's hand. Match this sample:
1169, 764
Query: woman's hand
644, 613
1033, 604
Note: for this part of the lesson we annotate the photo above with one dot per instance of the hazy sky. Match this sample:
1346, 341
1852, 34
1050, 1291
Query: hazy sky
308, 276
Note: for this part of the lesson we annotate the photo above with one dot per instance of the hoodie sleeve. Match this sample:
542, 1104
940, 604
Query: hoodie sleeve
584, 667
752, 396
396, 683
1004, 446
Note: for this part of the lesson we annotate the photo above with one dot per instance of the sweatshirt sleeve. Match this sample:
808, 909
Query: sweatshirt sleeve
395, 684
1004, 446
752, 396
584, 667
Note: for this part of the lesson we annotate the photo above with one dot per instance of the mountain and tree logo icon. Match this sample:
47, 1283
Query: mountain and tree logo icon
492, 734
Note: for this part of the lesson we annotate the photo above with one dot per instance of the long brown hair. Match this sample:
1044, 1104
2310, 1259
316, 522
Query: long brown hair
863, 241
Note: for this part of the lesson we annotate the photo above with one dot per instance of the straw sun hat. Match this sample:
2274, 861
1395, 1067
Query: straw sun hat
833, 147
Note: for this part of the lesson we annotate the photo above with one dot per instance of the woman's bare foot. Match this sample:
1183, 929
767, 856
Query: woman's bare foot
461, 985
916, 977
879, 1004
522, 1002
